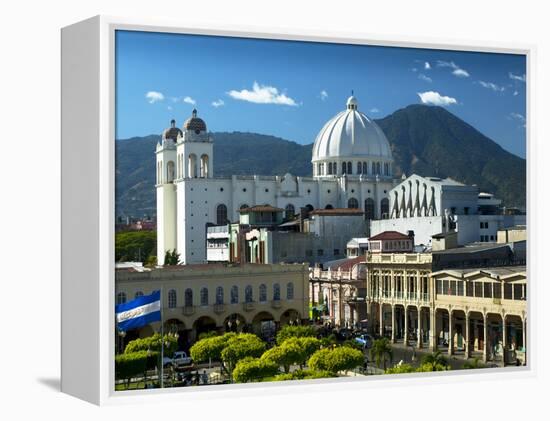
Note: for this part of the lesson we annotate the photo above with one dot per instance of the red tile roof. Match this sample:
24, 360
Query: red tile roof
390, 235
350, 263
259, 208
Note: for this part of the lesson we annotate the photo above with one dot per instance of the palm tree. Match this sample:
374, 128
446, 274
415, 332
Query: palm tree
381, 351
434, 360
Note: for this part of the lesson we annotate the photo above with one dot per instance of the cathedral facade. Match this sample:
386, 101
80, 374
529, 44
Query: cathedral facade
352, 168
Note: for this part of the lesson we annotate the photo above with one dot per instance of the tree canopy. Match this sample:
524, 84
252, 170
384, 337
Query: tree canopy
294, 332
254, 369
137, 246
336, 359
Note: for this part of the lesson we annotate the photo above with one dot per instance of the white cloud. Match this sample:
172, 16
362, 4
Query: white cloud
461, 73
189, 100
491, 85
519, 117
427, 65
169, 108
374, 110
520, 78
154, 96
414, 69
262, 94
516, 93
324, 95
435, 98
218, 103
457, 71
425, 78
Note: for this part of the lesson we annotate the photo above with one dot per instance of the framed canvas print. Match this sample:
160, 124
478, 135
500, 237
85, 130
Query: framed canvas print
246, 210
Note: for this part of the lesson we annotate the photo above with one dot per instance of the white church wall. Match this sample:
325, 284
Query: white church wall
423, 227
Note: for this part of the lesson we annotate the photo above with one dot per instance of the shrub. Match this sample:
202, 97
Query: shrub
130, 365
432, 367
336, 359
210, 348
400, 369
304, 375
254, 369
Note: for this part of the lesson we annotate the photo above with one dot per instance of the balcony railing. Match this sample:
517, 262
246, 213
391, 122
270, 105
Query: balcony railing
188, 310
248, 306
219, 308
276, 304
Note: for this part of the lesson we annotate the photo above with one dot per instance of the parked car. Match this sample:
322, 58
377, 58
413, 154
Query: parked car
343, 334
180, 359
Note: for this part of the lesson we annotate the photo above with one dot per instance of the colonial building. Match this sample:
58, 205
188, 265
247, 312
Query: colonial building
337, 292
412, 299
202, 298
431, 205
352, 168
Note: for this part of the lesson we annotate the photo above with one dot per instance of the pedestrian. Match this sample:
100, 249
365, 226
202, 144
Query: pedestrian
204, 377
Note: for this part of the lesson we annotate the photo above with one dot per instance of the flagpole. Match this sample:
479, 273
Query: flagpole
162, 342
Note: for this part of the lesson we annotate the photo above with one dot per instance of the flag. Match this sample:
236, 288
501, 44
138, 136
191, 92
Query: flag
139, 312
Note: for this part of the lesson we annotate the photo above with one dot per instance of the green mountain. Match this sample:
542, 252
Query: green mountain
425, 140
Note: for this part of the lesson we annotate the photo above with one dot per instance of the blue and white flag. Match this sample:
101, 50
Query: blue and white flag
139, 312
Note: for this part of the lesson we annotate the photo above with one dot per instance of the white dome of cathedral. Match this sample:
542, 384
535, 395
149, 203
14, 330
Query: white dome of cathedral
351, 134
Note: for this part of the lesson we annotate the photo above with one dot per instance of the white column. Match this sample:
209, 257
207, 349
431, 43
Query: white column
451, 333
406, 333
393, 323
485, 339
467, 329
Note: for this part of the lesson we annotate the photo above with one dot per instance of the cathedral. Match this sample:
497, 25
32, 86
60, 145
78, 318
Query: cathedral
352, 168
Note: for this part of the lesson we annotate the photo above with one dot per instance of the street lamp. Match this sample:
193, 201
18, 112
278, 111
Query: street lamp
121, 335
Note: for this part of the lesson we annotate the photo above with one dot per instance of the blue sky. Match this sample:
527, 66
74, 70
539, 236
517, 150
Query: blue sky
290, 89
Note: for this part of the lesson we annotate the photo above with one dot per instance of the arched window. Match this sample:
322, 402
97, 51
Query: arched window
170, 171
276, 292
385, 208
172, 301
219, 295
290, 291
369, 209
335, 168
353, 203
121, 298
289, 211
329, 206
192, 165
204, 166
248, 294
138, 294
244, 206
350, 169
234, 294
365, 168
330, 168
378, 168
344, 168
221, 214
359, 168
386, 168
263, 293
188, 297
309, 208
204, 296
373, 168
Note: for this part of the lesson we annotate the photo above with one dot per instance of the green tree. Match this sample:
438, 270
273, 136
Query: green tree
435, 360
241, 346
153, 343
210, 348
135, 245
254, 369
381, 352
288, 353
171, 258
294, 332
432, 367
336, 359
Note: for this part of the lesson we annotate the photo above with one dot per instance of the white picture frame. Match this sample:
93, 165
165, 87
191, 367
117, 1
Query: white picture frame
88, 135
